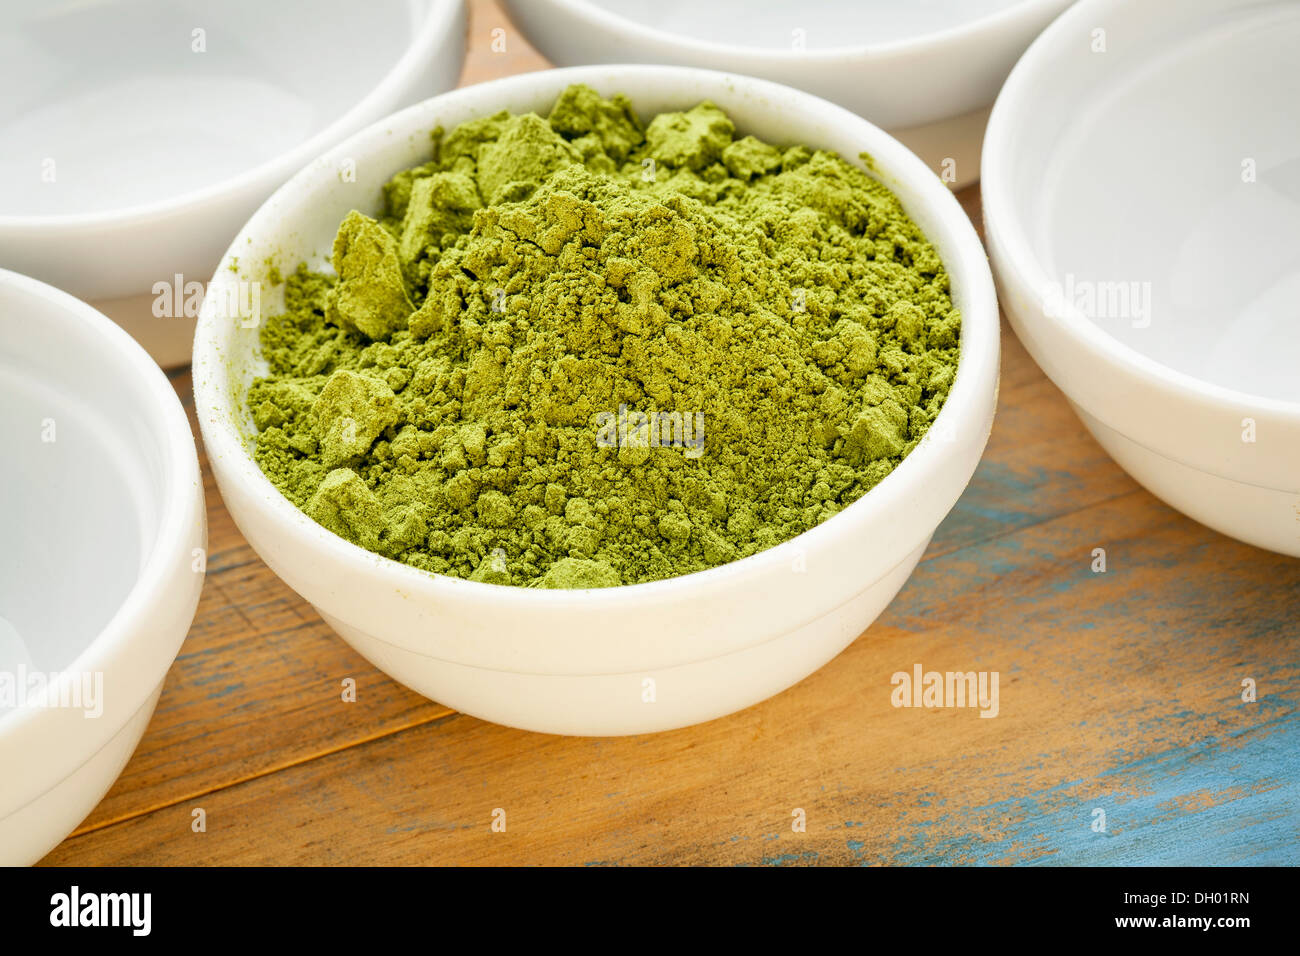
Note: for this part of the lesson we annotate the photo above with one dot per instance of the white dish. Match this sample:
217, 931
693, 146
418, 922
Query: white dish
575, 661
1164, 170
99, 574
135, 146
926, 72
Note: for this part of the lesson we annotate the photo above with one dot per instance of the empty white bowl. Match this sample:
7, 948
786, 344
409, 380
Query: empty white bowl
102, 524
139, 136
926, 72
1142, 213
627, 659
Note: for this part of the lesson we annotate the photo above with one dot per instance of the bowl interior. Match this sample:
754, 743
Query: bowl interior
82, 489
778, 24
1156, 179
113, 104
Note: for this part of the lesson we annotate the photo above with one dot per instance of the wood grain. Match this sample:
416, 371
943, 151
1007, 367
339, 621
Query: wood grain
1121, 692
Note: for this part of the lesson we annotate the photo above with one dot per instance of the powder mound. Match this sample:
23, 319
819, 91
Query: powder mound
577, 352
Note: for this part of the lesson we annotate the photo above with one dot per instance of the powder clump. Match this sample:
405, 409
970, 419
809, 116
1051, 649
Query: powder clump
576, 352
370, 296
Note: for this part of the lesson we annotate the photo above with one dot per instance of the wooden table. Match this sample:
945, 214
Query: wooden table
1121, 692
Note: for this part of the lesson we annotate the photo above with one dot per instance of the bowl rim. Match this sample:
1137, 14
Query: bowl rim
1025, 268
598, 17
438, 17
175, 536
977, 369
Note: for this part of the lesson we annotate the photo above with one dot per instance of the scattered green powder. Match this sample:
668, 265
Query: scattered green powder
576, 352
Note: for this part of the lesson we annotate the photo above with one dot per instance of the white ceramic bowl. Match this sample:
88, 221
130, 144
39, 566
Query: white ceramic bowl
130, 155
926, 72
575, 661
1142, 215
101, 510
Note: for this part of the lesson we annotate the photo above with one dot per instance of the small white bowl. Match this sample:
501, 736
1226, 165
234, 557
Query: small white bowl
575, 662
926, 72
1141, 214
140, 136
101, 516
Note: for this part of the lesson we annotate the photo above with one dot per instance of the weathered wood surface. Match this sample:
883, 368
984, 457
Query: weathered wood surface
1120, 691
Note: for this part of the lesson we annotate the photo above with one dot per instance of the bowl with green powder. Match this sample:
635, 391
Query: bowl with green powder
601, 400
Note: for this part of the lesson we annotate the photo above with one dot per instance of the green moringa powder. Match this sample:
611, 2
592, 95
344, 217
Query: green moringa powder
580, 352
